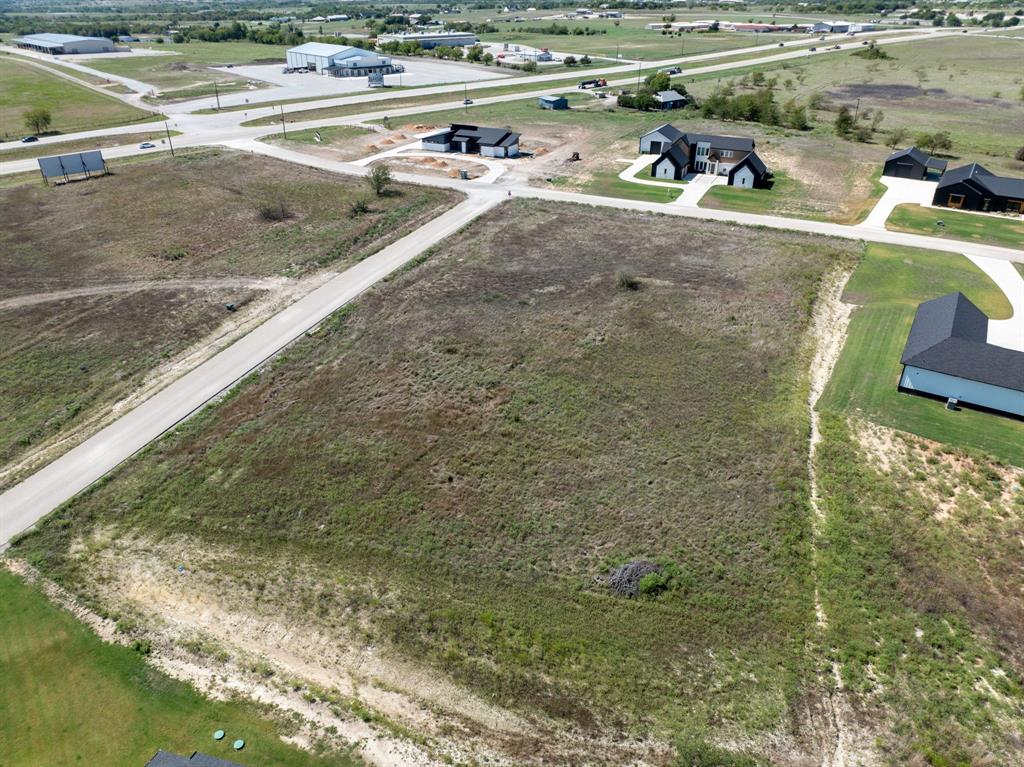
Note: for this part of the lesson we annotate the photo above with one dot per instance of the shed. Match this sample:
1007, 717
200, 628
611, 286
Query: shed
553, 102
670, 100
912, 163
948, 356
59, 45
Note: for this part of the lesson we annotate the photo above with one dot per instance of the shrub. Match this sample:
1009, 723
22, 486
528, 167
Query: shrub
530, 66
652, 584
359, 207
274, 211
569, 61
174, 253
626, 280
1020, 154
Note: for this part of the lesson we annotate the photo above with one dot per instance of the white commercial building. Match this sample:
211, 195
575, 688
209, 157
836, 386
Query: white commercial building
429, 40
340, 60
59, 45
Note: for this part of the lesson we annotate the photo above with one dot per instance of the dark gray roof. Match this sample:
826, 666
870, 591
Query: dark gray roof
949, 336
485, 136
670, 96
670, 132
676, 154
936, 164
167, 759
912, 152
552, 98
754, 162
735, 143
986, 180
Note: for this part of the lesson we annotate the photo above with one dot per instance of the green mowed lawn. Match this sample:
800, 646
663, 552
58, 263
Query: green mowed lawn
887, 286
188, 74
958, 225
461, 453
67, 697
73, 108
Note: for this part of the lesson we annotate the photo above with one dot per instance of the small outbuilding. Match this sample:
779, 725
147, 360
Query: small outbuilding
973, 187
948, 356
912, 163
670, 100
553, 102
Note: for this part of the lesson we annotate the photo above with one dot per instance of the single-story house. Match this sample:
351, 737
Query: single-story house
682, 153
553, 102
60, 45
670, 100
339, 60
470, 139
973, 187
912, 163
947, 355
196, 759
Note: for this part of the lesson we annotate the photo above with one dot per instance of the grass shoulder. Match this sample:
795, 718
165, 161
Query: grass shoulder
990, 229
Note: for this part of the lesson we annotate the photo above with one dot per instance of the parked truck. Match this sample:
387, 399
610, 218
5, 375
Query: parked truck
598, 83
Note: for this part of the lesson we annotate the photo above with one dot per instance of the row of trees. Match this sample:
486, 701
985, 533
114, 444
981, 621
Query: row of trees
644, 99
757, 106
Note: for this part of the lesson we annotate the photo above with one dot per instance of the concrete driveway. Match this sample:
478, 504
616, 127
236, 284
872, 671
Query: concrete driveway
1008, 333
899, 191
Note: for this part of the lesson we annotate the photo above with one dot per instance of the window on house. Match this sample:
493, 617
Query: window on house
726, 153
956, 200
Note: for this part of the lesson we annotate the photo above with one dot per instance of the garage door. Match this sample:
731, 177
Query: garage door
656, 147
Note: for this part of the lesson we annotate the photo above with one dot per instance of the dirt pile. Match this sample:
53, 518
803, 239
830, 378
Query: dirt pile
625, 579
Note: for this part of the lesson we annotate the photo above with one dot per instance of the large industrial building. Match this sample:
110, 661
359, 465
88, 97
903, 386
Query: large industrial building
340, 60
428, 40
59, 45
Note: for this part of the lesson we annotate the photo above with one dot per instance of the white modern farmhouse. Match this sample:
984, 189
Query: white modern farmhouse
682, 153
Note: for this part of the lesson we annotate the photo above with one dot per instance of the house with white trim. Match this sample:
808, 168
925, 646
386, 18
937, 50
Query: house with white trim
683, 153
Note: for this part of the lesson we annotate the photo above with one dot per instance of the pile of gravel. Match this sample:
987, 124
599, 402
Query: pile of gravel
625, 579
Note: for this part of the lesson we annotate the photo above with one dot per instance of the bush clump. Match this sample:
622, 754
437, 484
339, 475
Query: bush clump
274, 211
626, 280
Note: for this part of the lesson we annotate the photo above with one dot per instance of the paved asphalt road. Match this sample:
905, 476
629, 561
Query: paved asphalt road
25, 504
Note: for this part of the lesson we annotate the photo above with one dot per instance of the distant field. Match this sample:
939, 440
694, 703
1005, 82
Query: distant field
73, 108
958, 225
887, 287
66, 697
195, 219
455, 463
188, 74
966, 85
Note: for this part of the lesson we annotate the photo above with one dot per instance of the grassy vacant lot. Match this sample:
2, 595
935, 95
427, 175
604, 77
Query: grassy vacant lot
188, 74
339, 142
204, 220
73, 108
790, 197
888, 286
969, 86
920, 579
958, 225
458, 461
207, 213
66, 697
626, 37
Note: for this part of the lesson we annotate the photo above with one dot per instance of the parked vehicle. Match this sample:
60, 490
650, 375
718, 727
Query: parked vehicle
812, 49
146, 145
598, 83
781, 45
29, 139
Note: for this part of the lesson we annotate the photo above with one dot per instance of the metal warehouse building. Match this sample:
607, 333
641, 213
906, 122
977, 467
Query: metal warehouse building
340, 60
62, 44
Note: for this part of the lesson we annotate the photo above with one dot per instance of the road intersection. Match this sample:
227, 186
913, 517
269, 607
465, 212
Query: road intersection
26, 503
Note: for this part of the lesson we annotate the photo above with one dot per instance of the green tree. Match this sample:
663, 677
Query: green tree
952, 20
659, 81
934, 142
38, 119
876, 119
896, 137
844, 121
530, 66
585, 60
379, 179
569, 61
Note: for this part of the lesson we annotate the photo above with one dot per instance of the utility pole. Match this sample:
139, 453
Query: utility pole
856, 112
639, 66
465, 98
169, 142
216, 94
284, 130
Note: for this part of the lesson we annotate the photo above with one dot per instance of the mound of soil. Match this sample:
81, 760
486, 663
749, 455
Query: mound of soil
625, 579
